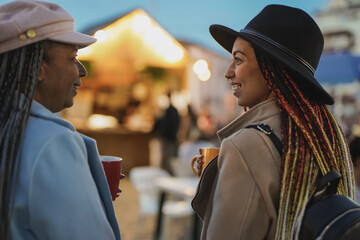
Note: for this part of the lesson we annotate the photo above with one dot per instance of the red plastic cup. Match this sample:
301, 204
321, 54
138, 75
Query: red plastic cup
112, 168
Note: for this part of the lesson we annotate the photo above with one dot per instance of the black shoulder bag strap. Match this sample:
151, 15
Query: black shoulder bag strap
269, 132
330, 180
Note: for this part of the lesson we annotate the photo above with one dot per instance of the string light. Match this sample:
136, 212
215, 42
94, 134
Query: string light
201, 68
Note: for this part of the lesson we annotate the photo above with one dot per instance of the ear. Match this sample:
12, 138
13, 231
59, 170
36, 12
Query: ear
357, 162
41, 75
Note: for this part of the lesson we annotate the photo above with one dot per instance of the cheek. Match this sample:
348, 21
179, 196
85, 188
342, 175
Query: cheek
253, 77
257, 85
64, 86
70, 76
263, 85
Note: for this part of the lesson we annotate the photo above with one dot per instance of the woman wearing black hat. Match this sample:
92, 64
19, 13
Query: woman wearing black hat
251, 191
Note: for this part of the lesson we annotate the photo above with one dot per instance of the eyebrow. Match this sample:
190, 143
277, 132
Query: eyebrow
238, 51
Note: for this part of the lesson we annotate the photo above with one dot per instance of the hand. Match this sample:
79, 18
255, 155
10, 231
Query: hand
119, 190
199, 164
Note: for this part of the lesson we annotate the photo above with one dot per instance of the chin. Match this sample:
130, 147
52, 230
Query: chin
70, 101
69, 105
240, 103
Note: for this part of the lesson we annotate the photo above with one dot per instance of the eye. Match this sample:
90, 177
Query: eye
237, 60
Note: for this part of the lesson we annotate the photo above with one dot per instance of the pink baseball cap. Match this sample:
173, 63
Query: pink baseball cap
24, 22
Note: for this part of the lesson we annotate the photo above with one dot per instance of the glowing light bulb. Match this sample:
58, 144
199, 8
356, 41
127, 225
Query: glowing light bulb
205, 76
100, 35
201, 68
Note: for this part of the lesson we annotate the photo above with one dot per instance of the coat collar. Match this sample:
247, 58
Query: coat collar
38, 110
255, 115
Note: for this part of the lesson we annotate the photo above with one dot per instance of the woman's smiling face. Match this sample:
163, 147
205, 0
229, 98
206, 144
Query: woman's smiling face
59, 78
245, 77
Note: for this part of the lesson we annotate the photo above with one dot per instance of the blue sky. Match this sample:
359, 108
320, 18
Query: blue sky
185, 19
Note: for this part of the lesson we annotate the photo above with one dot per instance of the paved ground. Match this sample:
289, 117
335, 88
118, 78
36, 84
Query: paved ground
127, 212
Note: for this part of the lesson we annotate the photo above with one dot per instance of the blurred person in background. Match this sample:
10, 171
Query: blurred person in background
252, 190
52, 182
191, 139
189, 130
166, 128
205, 122
349, 116
354, 147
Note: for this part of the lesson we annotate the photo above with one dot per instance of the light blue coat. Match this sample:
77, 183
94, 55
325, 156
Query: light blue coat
62, 192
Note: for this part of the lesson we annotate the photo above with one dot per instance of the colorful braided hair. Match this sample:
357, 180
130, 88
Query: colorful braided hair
313, 143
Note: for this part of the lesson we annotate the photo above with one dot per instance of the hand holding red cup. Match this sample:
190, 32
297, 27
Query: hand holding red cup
113, 167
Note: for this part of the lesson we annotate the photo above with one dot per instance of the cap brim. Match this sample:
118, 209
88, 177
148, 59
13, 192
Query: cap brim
74, 38
226, 37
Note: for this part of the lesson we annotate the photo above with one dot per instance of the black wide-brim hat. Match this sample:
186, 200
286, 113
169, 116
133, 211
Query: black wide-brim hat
288, 34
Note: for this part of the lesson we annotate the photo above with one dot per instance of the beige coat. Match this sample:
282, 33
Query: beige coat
238, 194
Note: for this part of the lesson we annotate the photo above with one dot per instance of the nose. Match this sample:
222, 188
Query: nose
82, 69
230, 73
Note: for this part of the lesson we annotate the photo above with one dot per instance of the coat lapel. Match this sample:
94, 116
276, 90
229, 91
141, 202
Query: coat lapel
101, 183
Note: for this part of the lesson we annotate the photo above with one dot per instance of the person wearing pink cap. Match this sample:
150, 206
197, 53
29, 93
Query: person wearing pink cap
52, 184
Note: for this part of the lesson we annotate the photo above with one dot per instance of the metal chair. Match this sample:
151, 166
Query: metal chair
142, 178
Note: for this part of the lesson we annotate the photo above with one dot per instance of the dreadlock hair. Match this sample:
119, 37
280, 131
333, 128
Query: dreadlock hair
313, 143
19, 70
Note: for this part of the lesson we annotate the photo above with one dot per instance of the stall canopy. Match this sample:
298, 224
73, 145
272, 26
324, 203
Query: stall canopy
135, 37
338, 68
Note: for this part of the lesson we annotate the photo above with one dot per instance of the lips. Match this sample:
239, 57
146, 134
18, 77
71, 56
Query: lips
75, 88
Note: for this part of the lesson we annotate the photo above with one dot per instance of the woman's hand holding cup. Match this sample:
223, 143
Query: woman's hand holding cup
206, 155
199, 163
